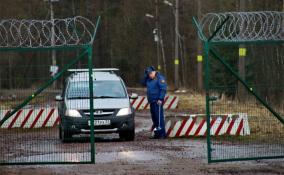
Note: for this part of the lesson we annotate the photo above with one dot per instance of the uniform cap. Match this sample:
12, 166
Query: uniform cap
150, 69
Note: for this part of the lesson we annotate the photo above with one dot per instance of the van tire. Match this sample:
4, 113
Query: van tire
64, 134
127, 135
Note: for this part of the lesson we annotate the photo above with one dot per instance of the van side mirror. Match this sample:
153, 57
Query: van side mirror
133, 96
58, 98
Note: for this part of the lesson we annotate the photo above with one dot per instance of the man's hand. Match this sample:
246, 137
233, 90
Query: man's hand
159, 102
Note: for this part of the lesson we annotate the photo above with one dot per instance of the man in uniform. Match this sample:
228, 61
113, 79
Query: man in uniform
156, 91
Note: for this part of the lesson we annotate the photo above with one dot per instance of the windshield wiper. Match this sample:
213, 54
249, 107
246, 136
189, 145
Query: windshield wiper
104, 96
78, 97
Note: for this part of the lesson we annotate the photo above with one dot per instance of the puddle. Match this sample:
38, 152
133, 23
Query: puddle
128, 156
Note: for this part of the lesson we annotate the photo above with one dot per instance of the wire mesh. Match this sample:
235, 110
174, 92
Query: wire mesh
34, 134
263, 74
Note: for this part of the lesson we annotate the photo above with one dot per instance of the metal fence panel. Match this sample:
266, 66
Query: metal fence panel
260, 134
33, 125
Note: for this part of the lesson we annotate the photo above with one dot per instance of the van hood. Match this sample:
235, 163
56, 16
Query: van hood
106, 103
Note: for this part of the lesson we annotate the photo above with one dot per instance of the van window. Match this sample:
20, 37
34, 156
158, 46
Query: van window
102, 89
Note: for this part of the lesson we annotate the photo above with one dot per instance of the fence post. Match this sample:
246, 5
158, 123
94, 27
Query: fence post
207, 88
90, 65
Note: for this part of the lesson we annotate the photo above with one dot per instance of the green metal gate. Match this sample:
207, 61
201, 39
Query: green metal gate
29, 115
244, 66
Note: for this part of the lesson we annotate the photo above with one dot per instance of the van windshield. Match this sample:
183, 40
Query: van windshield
102, 89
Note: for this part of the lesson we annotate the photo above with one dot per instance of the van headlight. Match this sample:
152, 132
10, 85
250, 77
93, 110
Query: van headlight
72, 113
124, 111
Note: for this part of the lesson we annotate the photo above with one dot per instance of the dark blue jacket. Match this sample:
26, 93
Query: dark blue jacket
156, 88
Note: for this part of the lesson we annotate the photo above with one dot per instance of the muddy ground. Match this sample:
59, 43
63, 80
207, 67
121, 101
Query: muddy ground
142, 156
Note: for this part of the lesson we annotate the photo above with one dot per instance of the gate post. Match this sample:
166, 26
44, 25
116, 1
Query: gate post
207, 88
90, 66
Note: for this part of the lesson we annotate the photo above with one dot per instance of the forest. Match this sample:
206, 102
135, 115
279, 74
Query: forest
125, 40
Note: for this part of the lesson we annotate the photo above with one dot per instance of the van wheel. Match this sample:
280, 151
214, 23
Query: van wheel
64, 134
127, 135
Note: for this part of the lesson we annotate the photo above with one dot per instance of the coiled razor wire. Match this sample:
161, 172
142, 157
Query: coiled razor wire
38, 33
244, 26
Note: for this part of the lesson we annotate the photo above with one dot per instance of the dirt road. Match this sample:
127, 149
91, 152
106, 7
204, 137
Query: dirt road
142, 156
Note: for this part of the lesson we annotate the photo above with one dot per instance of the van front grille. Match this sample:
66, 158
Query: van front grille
100, 112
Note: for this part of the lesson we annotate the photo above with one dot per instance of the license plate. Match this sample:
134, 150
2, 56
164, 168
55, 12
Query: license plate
100, 122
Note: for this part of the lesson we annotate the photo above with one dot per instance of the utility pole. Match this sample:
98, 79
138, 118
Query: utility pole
158, 36
52, 33
199, 54
10, 70
282, 11
73, 8
54, 67
176, 45
241, 62
163, 54
157, 33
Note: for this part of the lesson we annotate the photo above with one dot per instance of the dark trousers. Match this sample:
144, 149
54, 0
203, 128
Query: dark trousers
154, 108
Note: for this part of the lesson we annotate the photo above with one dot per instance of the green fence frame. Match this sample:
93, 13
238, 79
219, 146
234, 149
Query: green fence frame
86, 52
209, 50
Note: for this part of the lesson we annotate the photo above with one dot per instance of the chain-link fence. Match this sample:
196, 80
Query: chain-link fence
243, 75
260, 134
34, 129
38, 116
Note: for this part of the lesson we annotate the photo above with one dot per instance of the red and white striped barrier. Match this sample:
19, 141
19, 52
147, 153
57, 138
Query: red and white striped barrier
31, 118
170, 102
196, 125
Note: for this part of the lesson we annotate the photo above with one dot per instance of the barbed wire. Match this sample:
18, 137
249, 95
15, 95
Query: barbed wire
245, 26
38, 33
